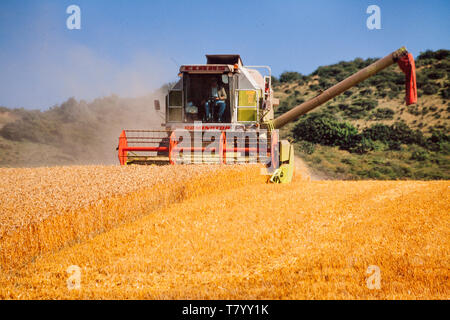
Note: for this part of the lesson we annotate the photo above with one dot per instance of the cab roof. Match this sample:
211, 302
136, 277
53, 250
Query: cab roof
223, 59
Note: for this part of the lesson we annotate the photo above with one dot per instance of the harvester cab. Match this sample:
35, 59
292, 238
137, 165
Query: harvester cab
223, 112
222, 91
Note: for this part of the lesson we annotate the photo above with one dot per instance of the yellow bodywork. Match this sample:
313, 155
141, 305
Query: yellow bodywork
285, 172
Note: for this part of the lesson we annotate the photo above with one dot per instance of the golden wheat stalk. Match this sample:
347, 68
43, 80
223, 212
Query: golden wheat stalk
44, 209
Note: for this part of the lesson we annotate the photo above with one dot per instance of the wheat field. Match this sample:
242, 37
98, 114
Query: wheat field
219, 232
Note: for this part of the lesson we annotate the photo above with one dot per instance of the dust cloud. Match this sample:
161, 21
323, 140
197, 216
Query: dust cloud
101, 98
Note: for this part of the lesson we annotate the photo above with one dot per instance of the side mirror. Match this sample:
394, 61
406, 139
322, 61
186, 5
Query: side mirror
157, 105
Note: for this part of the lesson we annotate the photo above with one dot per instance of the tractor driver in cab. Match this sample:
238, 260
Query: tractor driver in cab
216, 100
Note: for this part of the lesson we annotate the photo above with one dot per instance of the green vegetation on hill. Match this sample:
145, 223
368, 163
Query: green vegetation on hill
368, 132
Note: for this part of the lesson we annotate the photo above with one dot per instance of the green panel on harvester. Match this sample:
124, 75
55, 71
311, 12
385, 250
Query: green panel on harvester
247, 98
246, 114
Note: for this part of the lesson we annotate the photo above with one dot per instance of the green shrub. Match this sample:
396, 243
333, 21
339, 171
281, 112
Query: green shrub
327, 130
428, 56
420, 155
366, 92
382, 94
421, 79
442, 54
342, 106
282, 108
307, 147
394, 135
398, 78
379, 145
359, 107
329, 71
317, 159
288, 103
348, 161
395, 145
436, 74
324, 129
289, 76
348, 93
392, 94
438, 140
383, 113
332, 108
401, 132
445, 93
430, 88
274, 80
413, 109
366, 104
297, 101
361, 145
355, 111
324, 83
379, 132
443, 65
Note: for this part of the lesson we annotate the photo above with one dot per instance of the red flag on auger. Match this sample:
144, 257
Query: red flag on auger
406, 63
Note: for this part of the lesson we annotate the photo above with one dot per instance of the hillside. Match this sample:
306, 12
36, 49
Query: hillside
369, 132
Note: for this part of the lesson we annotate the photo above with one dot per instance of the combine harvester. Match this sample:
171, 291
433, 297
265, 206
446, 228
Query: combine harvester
240, 127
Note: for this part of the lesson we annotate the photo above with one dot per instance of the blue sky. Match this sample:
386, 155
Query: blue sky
132, 47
